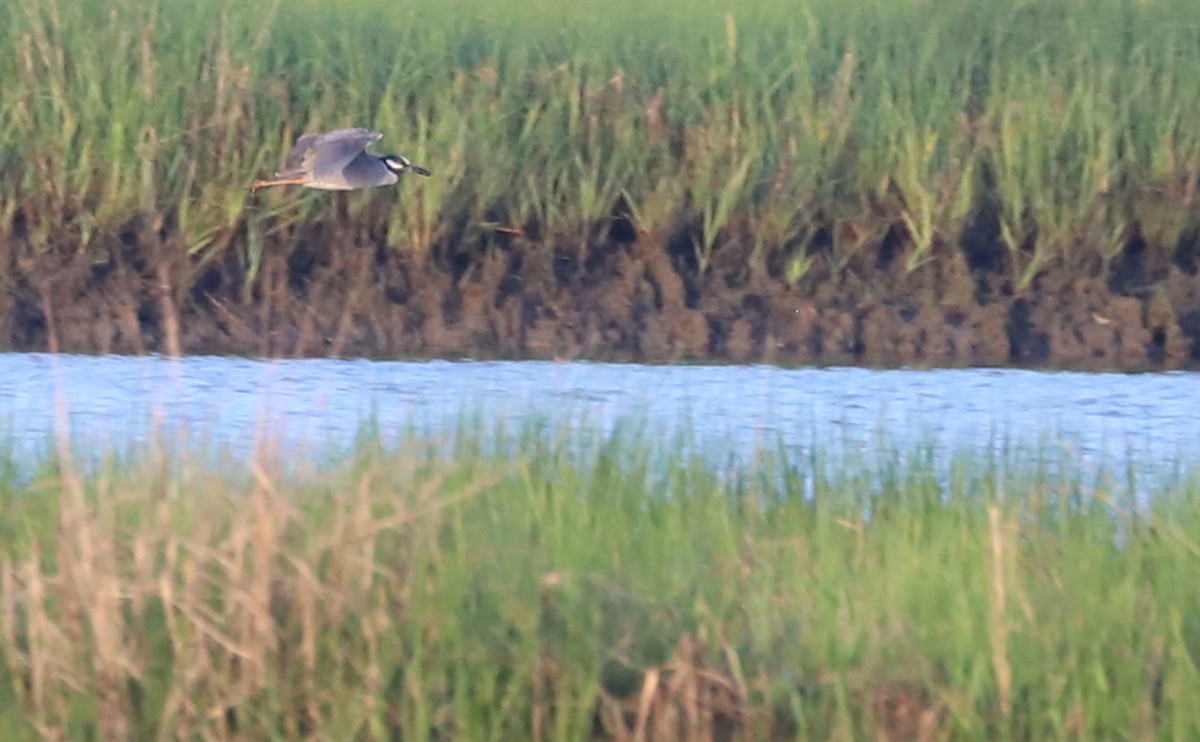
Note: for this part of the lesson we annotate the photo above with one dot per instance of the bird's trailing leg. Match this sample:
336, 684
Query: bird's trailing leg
281, 181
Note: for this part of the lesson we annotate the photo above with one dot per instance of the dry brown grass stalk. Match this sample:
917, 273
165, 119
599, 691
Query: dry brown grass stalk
999, 611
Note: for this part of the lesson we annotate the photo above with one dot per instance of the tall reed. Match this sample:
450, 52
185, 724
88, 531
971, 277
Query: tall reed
752, 130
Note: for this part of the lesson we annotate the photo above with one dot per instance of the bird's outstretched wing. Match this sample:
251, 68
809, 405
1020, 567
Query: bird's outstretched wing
326, 152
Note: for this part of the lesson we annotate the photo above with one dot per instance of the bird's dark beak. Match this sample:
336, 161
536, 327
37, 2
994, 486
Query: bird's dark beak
420, 170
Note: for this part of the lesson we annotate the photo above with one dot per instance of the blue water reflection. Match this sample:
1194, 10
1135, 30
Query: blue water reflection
312, 403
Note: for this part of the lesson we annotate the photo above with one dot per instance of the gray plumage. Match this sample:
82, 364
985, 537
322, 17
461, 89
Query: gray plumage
338, 161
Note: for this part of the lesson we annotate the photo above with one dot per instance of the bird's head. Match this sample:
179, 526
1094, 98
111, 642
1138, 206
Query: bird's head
401, 165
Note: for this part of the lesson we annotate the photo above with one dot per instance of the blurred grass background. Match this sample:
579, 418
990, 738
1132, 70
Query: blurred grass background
552, 584
777, 134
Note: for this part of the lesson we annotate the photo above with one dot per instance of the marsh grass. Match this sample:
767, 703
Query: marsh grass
597, 586
754, 130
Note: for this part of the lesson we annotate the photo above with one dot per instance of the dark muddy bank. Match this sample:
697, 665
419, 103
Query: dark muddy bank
634, 297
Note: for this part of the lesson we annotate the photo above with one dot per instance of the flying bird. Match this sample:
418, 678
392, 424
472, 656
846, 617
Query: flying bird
338, 161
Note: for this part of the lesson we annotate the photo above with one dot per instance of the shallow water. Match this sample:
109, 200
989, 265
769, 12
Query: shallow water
1155, 418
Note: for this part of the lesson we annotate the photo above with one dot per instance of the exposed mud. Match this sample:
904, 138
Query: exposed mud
634, 297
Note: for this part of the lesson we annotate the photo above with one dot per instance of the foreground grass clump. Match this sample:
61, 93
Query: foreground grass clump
792, 135
595, 587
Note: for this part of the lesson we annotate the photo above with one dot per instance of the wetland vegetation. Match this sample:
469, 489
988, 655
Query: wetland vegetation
597, 586
880, 182
884, 182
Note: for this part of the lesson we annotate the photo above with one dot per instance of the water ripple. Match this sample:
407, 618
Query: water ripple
1154, 417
